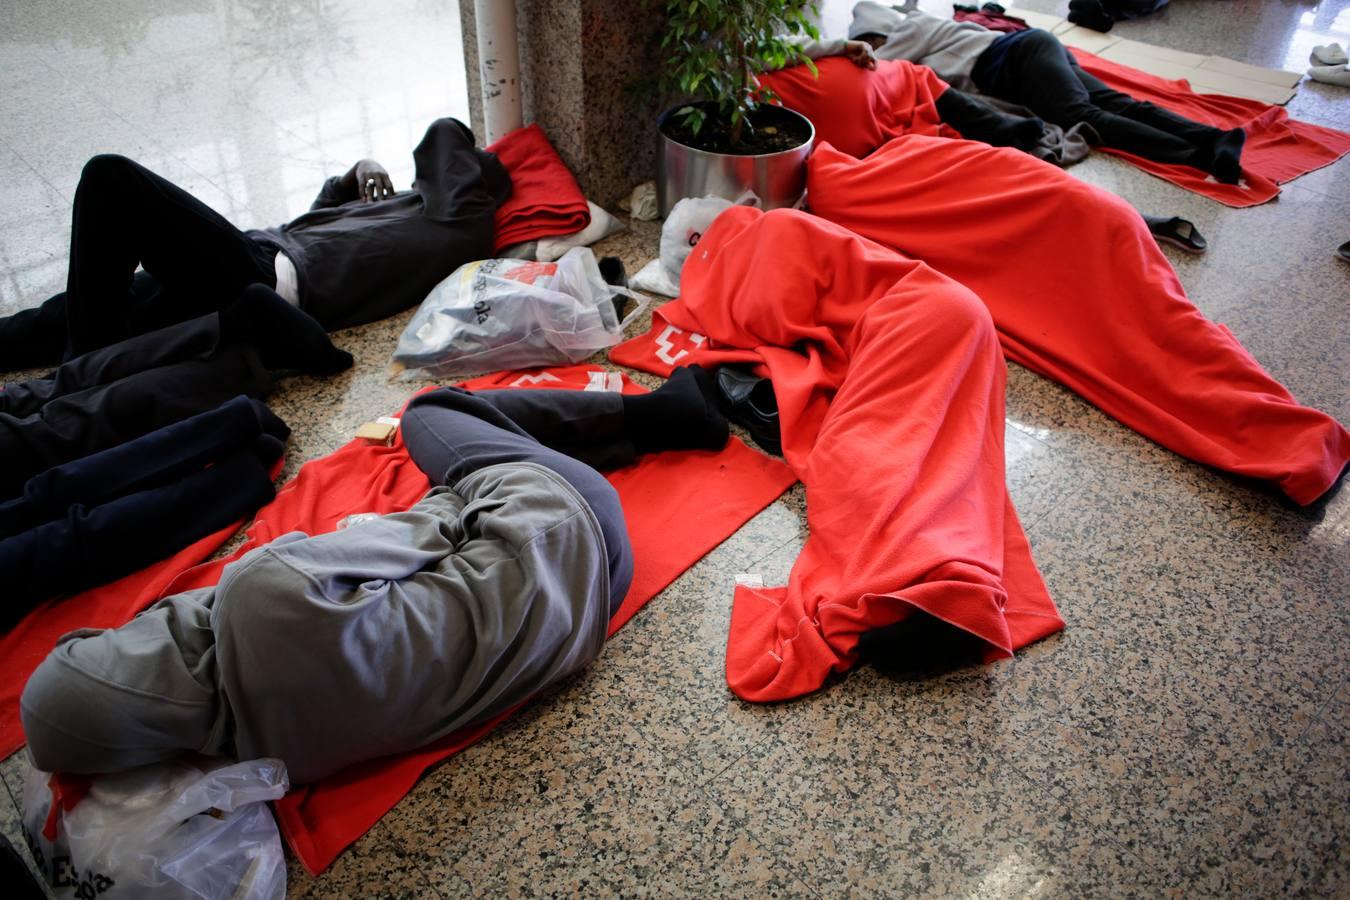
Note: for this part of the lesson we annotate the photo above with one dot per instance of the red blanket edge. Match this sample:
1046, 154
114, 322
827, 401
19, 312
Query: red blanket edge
1279, 148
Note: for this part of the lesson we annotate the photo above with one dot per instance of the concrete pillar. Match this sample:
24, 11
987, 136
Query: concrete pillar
577, 60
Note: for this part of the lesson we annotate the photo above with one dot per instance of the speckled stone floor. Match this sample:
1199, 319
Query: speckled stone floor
1184, 736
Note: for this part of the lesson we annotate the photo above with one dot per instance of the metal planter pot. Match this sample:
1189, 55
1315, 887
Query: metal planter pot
779, 179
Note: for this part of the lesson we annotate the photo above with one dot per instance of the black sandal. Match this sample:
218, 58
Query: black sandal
1178, 232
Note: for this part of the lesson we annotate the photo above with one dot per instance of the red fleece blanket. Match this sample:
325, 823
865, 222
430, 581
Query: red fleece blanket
857, 110
678, 506
1278, 149
1081, 294
890, 387
545, 199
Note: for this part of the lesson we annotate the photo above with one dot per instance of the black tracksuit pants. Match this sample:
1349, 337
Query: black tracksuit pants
113, 395
126, 216
1038, 72
96, 519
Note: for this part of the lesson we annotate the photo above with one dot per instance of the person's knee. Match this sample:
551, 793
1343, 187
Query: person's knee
105, 168
959, 317
1039, 39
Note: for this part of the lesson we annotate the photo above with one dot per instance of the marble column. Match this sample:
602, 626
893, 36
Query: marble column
578, 59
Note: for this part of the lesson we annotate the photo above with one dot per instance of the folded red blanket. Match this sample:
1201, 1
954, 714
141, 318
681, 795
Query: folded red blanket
1278, 150
890, 388
545, 199
678, 506
857, 110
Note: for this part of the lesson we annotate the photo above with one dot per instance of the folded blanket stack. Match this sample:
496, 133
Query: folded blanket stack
545, 198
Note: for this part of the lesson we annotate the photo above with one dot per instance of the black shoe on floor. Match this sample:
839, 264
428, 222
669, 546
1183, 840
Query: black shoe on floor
1090, 14
749, 401
612, 270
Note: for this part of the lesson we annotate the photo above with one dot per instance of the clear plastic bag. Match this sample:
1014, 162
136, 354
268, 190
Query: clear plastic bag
162, 831
513, 314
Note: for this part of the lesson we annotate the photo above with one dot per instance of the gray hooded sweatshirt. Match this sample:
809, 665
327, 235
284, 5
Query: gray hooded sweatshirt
331, 650
948, 47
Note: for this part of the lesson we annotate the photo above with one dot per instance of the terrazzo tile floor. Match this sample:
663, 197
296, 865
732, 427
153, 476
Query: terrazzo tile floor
1184, 736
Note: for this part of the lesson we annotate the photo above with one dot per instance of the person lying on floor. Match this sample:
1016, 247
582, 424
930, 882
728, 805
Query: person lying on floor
968, 114
331, 650
1033, 69
858, 109
363, 252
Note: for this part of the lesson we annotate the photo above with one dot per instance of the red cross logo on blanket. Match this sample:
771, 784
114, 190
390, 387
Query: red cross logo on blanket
534, 379
666, 349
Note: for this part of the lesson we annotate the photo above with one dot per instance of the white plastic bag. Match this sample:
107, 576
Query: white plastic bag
683, 228
163, 831
602, 226
655, 278
512, 314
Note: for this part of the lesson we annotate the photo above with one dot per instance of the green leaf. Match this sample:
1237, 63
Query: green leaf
715, 48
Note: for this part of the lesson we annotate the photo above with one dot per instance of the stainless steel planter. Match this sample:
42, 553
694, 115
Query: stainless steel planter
779, 179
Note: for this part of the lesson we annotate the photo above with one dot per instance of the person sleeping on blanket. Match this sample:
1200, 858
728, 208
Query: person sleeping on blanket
145, 254
970, 115
331, 650
1033, 69
857, 108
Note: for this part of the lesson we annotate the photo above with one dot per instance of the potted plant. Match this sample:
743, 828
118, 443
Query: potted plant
726, 136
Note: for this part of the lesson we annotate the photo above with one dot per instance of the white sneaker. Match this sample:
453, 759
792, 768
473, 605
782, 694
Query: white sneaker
1330, 75
1330, 55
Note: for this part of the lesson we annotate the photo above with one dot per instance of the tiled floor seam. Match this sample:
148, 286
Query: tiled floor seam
776, 547
1318, 717
13, 796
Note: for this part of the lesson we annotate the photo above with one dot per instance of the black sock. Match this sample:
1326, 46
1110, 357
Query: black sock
1090, 14
682, 414
1227, 164
284, 337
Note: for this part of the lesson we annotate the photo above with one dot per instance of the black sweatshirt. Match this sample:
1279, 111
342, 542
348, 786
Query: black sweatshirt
360, 262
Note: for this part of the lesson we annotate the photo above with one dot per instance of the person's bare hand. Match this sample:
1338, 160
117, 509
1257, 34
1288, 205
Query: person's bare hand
372, 181
860, 54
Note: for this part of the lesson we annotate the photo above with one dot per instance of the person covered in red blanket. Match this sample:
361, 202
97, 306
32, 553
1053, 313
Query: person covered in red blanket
968, 114
883, 328
857, 108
